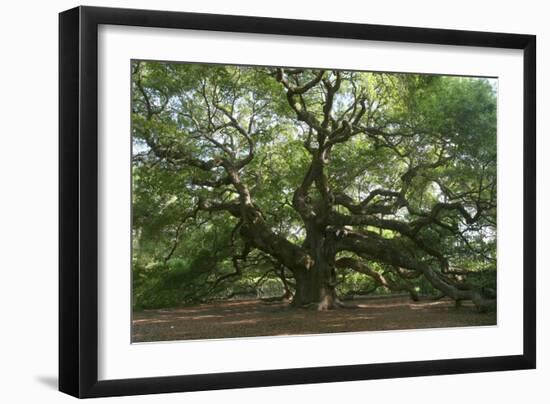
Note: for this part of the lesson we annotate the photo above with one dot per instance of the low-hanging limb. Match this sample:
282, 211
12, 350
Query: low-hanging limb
378, 278
391, 252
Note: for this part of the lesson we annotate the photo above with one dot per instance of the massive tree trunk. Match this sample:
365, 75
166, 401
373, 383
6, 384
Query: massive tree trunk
315, 287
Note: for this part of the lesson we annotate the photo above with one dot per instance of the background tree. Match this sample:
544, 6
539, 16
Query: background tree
249, 175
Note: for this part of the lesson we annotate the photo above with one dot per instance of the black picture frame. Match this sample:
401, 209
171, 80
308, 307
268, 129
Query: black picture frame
78, 201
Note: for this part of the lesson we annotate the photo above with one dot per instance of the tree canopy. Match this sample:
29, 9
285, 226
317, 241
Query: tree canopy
311, 183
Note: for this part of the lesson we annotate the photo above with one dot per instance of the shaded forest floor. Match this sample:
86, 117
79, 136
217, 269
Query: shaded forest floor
247, 318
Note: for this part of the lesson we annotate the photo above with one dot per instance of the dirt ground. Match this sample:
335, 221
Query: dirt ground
247, 318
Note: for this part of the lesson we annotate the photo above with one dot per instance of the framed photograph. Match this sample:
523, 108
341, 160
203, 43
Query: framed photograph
251, 201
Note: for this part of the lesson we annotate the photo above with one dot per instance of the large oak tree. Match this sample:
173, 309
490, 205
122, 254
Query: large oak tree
306, 174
